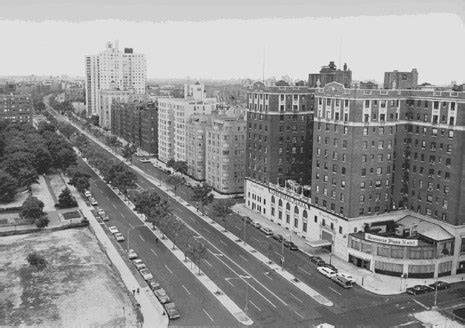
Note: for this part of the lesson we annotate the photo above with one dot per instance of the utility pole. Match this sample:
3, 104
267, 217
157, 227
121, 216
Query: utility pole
245, 225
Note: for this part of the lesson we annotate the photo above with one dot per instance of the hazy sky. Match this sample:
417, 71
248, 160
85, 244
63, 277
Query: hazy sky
371, 44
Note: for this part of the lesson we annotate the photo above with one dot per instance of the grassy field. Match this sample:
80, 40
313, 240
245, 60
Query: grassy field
79, 288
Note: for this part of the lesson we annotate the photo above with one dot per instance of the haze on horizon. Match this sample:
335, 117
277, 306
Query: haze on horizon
233, 48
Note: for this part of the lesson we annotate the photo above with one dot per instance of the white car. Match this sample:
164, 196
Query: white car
139, 264
87, 194
113, 229
93, 202
266, 230
119, 237
327, 272
100, 212
131, 254
162, 295
146, 274
144, 160
346, 276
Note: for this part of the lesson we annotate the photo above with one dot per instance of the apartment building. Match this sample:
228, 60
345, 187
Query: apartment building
15, 106
136, 122
174, 113
330, 74
401, 80
113, 69
108, 97
196, 152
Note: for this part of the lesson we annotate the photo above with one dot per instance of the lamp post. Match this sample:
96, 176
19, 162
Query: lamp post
243, 278
245, 225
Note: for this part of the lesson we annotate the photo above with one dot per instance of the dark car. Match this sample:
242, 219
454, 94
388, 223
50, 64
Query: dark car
315, 259
418, 289
290, 245
247, 219
440, 285
332, 267
278, 237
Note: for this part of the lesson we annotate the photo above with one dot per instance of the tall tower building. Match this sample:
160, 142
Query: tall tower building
113, 69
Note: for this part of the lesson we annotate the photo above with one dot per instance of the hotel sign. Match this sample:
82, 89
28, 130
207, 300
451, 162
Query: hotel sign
391, 241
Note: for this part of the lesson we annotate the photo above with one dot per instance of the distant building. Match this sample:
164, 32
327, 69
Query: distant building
113, 69
173, 116
330, 74
74, 93
136, 121
15, 106
401, 80
368, 85
106, 99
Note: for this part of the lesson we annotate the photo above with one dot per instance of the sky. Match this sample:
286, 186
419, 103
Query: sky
215, 41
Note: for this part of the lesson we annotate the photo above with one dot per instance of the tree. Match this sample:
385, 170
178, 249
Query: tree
45, 126
7, 187
32, 209
221, 209
66, 129
80, 180
120, 177
37, 261
39, 106
66, 200
145, 201
159, 213
175, 181
65, 158
42, 222
113, 142
128, 150
197, 252
171, 163
202, 195
42, 159
20, 166
180, 166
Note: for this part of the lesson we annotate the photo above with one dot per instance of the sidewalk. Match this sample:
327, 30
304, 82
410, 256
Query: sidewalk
370, 281
151, 309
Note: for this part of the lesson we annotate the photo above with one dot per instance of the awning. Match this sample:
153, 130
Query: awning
318, 243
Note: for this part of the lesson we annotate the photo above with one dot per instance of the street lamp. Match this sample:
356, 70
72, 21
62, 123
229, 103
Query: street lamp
243, 277
245, 225
282, 250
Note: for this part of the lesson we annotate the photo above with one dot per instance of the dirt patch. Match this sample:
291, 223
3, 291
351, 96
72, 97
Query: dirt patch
71, 215
79, 288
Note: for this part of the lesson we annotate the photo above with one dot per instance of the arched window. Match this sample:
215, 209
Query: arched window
296, 210
288, 206
305, 214
280, 203
272, 199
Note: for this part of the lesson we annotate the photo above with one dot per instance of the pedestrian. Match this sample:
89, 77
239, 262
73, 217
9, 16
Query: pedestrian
156, 240
133, 292
137, 291
164, 313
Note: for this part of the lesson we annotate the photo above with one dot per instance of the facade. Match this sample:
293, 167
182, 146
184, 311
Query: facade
279, 134
137, 122
401, 80
330, 74
74, 94
195, 134
384, 162
173, 116
113, 69
108, 97
15, 106
225, 151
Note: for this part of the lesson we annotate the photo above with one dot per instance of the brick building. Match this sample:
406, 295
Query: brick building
137, 123
195, 145
14, 105
330, 74
401, 80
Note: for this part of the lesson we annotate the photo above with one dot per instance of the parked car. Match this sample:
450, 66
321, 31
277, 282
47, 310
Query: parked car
332, 267
146, 274
119, 236
418, 289
93, 202
172, 311
144, 160
113, 229
267, 231
315, 259
162, 295
327, 272
346, 276
131, 254
343, 282
100, 212
105, 218
278, 237
87, 194
320, 263
440, 285
257, 225
139, 264
290, 245
153, 285
248, 220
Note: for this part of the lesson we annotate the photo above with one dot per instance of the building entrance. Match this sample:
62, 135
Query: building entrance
361, 263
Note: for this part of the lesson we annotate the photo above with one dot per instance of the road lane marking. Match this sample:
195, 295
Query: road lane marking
243, 257
107, 198
279, 254
206, 230
187, 290
229, 282
168, 269
305, 271
335, 291
421, 304
207, 263
299, 314
296, 297
256, 239
223, 243
255, 306
132, 227
154, 253
267, 274
114, 206
142, 238
208, 315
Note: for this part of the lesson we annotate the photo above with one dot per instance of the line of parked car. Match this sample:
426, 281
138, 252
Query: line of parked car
422, 289
343, 279
160, 293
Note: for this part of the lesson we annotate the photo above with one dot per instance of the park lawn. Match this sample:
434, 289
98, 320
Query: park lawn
79, 288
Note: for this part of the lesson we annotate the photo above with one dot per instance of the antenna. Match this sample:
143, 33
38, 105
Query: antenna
340, 52
263, 70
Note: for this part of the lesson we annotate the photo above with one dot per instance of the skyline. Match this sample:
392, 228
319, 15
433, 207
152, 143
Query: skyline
233, 48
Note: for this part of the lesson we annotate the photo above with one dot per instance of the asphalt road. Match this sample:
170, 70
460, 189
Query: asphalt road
271, 301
